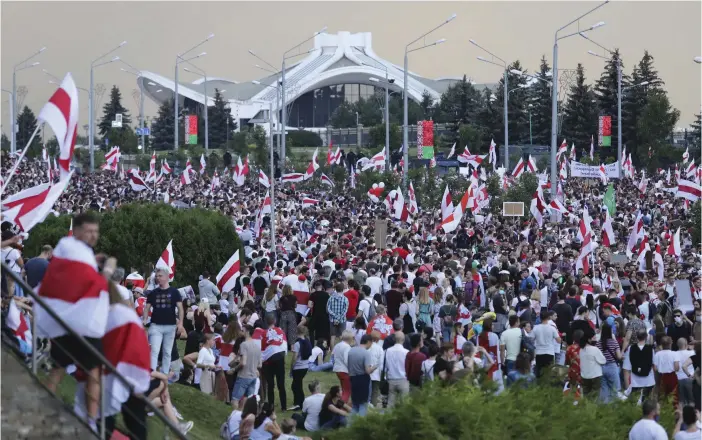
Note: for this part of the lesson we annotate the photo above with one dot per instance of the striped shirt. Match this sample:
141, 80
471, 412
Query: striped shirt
610, 350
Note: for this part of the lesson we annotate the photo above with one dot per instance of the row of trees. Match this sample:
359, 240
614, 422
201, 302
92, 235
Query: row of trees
476, 116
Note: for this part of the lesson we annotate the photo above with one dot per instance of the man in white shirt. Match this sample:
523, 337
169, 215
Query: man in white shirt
544, 337
312, 406
510, 343
647, 428
340, 353
374, 282
684, 377
395, 356
377, 358
665, 363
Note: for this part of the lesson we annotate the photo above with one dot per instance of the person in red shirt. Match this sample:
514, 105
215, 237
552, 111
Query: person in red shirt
413, 361
352, 295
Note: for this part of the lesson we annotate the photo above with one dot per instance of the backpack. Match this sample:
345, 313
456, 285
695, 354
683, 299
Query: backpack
652, 310
371, 309
224, 433
527, 345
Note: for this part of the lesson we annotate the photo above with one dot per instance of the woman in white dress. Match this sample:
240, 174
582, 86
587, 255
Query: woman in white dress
206, 365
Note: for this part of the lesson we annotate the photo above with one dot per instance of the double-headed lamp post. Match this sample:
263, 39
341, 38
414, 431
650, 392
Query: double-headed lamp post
91, 99
505, 98
284, 116
136, 72
386, 114
22, 65
554, 95
180, 59
405, 117
199, 71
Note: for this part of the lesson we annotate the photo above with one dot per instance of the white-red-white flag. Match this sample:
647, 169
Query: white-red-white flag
572, 152
185, 175
313, 166
330, 155
452, 152
165, 168
518, 169
587, 248
151, 177
450, 223
608, 237
70, 229
122, 174
493, 154
603, 174
326, 180
413, 208
308, 202
292, 177
446, 204
30, 207
267, 205
136, 182
399, 207
239, 172
263, 179
74, 289
531, 165
538, 206
61, 113
18, 323
563, 172
226, 278
686, 155
167, 261
215, 181
562, 150
636, 233
377, 161
203, 164
688, 190
674, 247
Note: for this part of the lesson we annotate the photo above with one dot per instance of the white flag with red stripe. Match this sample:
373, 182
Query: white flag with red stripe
674, 247
572, 152
531, 165
399, 207
240, 171
518, 169
636, 233
586, 250
61, 113
301, 290
30, 207
226, 278
266, 206
688, 190
136, 182
413, 208
215, 181
70, 229
74, 289
330, 155
686, 155
452, 152
18, 323
377, 161
451, 222
165, 168
493, 154
603, 174
167, 261
326, 180
263, 179
309, 202
563, 173
608, 237
292, 177
185, 175
313, 166
203, 164
557, 206
446, 204
538, 206
151, 177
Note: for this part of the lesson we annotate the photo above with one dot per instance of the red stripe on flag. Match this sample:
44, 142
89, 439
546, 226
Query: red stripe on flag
71, 281
231, 272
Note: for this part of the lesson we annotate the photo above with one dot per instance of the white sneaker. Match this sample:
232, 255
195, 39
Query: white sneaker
177, 414
185, 427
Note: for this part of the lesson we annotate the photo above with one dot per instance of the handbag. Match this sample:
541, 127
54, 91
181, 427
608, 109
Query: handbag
384, 385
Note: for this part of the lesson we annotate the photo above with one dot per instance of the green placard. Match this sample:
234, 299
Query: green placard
192, 139
610, 200
606, 141
427, 152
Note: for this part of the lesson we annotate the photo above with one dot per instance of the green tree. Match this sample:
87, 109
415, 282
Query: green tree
261, 151
516, 104
377, 135
427, 105
540, 100
654, 126
26, 124
5, 143
219, 120
162, 127
460, 105
580, 113
606, 92
644, 79
124, 137
110, 110
695, 133
344, 116
488, 118
369, 112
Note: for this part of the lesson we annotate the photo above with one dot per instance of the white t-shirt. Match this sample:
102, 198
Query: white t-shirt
428, 368
512, 340
233, 422
9, 257
646, 429
375, 284
341, 357
124, 293
204, 357
664, 361
684, 435
312, 406
316, 351
544, 339
684, 355
377, 358
364, 306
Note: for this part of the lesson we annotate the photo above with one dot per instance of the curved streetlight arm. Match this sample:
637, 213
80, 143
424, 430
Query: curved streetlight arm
305, 41
26, 67
209, 37
576, 33
298, 54
180, 59
54, 77
199, 70
504, 63
107, 62
578, 19
107, 53
79, 88
255, 55
597, 55
484, 60
582, 34
30, 57
427, 33
134, 70
267, 69
436, 43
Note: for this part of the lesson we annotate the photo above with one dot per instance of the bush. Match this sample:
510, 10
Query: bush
303, 138
462, 411
137, 234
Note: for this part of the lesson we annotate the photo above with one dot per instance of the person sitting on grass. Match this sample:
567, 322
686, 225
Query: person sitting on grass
266, 427
335, 412
288, 427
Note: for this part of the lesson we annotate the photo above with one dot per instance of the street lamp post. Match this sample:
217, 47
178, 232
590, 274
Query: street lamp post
405, 117
179, 59
284, 116
505, 98
554, 97
137, 73
386, 115
91, 105
13, 97
204, 75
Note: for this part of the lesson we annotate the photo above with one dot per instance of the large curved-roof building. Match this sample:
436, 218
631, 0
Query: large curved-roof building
340, 67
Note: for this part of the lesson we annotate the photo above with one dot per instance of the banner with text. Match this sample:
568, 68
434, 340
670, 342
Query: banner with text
578, 169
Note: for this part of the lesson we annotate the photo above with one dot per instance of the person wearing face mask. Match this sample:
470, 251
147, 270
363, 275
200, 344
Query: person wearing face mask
680, 328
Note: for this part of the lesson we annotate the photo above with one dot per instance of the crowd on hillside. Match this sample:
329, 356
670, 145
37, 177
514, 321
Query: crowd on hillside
502, 300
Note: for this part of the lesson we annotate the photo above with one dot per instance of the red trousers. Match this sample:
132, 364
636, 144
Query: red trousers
345, 382
669, 385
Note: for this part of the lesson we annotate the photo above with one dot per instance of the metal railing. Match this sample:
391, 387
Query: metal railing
107, 367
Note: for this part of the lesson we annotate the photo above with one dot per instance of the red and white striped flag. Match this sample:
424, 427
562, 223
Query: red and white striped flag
557, 206
263, 179
74, 289
313, 166
446, 204
603, 174
674, 247
688, 190
451, 222
399, 207
122, 174
562, 150
608, 237
493, 154
452, 152
413, 208
185, 175
112, 156
226, 278
239, 175
292, 177
586, 250
267, 206
61, 113
151, 177
636, 233
563, 172
136, 182
326, 180
377, 161
18, 323
30, 207
330, 155
165, 168
691, 169
215, 181
686, 155
538, 206
518, 169
336, 157
572, 152
203, 164
167, 260
309, 202
531, 165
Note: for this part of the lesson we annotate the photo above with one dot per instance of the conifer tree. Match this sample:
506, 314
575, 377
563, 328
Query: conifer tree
580, 113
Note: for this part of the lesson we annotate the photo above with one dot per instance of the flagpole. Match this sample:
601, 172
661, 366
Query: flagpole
16, 165
271, 180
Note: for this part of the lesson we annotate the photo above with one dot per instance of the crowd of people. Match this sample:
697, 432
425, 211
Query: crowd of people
502, 301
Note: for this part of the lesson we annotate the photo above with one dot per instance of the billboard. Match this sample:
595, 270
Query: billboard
425, 139
191, 129
604, 132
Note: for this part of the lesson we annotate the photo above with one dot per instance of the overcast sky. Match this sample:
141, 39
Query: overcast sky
75, 33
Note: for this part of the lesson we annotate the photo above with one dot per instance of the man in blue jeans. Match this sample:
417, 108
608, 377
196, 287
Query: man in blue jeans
164, 300
248, 368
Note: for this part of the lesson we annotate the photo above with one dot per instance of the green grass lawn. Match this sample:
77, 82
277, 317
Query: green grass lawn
207, 413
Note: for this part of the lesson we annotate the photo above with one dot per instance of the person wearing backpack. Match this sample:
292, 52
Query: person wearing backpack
447, 315
641, 358
511, 343
366, 304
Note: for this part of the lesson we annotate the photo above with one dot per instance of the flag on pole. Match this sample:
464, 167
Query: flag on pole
562, 150
608, 237
309, 202
226, 278
263, 179
686, 155
413, 208
450, 223
446, 204
70, 229
167, 260
292, 177
452, 152
136, 182
313, 166
203, 164
493, 154
688, 190
31, 206
61, 113
610, 200
592, 148
326, 180
165, 168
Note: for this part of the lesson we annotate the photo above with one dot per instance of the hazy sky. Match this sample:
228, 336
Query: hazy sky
75, 33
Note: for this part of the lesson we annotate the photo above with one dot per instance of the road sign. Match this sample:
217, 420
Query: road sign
116, 124
146, 131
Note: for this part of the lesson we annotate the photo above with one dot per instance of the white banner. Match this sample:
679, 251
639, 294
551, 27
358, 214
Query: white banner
578, 169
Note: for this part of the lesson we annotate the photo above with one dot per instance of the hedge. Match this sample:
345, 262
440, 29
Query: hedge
137, 234
462, 411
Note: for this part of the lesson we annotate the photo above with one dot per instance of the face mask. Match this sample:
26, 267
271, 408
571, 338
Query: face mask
678, 319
